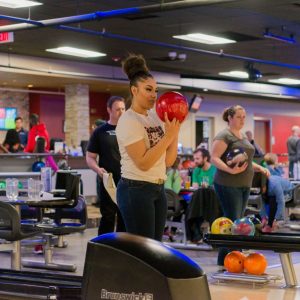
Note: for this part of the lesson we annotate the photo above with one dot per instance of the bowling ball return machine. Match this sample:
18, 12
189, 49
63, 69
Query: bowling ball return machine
117, 265
282, 243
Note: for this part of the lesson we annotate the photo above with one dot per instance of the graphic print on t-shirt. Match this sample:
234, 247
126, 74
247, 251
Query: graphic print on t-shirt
111, 132
154, 135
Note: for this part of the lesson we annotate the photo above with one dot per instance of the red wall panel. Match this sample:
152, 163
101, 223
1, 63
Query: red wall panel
34, 104
98, 105
281, 130
51, 109
52, 113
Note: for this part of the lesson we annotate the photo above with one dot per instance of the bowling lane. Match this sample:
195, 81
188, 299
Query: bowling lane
270, 292
206, 259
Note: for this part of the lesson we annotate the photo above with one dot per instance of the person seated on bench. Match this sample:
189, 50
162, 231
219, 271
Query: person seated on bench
174, 183
271, 162
203, 177
203, 174
174, 180
279, 188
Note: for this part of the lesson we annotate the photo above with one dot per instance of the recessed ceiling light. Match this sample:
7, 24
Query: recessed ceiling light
290, 81
236, 74
204, 38
18, 3
76, 52
30, 85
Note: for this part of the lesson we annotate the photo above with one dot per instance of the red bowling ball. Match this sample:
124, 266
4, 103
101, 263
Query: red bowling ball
174, 104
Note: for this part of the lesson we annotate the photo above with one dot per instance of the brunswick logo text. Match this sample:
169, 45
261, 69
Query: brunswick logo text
125, 296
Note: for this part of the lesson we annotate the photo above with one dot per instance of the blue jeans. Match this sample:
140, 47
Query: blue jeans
233, 202
143, 206
280, 188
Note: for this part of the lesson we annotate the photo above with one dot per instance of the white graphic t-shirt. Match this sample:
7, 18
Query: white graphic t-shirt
133, 127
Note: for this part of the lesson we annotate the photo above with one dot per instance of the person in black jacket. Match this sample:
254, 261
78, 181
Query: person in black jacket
23, 134
103, 145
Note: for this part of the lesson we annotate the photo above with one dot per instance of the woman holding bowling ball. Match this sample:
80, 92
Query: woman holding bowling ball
147, 146
232, 181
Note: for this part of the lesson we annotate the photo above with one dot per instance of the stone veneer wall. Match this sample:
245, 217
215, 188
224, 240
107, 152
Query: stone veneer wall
19, 100
77, 114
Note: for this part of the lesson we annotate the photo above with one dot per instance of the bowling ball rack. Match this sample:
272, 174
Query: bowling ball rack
282, 243
254, 280
36, 285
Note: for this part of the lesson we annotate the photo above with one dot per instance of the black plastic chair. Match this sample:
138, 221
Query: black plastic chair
203, 209
12, 230
53, 223
175, 213
257, 194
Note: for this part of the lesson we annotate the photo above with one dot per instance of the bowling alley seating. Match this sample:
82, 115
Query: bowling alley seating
204, 206
12, 230
257, 193
293, 205
175, 213
53, 223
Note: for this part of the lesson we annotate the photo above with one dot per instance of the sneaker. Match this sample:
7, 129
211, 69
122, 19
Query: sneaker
198, 241
38, 249
280, 223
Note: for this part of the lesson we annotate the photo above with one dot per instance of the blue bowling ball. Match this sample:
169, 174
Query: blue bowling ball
36, 167
236, 156
243, 226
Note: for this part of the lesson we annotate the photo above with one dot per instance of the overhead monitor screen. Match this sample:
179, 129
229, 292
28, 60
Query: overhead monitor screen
7, 117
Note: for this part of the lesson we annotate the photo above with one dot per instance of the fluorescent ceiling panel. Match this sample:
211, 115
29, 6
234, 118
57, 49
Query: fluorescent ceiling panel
290, 81
235, 74
18, 3
204, 39
76, 52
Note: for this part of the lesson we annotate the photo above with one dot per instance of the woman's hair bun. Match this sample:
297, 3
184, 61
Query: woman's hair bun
134, 64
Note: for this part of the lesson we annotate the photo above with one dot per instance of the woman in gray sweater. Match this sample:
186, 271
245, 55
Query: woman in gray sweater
232, 182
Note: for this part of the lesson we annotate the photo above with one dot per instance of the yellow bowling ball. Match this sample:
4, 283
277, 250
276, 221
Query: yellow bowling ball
221, 226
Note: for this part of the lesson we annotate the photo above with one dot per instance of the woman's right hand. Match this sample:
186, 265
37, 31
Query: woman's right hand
237, 169
171, 128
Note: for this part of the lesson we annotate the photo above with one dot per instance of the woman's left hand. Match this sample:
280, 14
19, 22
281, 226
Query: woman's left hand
265, 171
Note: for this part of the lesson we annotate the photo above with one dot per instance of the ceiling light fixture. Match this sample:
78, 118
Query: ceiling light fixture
269, 35
182, 56
204, 38
172, 55
76, 52
235, 74
254, 74
18, 3
288, 81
